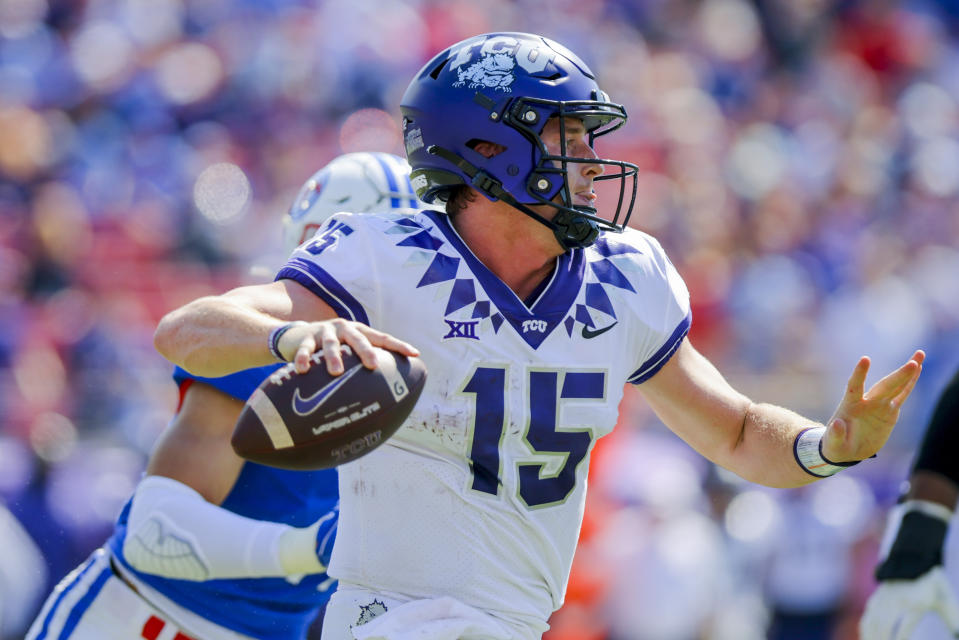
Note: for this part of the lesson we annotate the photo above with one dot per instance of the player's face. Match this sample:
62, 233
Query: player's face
580, 175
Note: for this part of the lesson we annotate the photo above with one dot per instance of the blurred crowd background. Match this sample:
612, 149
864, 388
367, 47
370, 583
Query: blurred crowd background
800, 163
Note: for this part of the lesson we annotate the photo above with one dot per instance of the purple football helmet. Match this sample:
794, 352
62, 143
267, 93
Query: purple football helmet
502, 88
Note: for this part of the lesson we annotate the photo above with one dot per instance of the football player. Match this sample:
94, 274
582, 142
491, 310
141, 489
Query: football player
912, 582
531, 309
209, 546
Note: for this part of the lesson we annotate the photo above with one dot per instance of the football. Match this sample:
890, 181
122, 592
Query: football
313, 420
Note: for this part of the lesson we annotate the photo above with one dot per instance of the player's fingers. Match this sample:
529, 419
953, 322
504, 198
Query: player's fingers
330, 341
304, 352
387, 341
891, 385
354, 335
900, 397
857, 381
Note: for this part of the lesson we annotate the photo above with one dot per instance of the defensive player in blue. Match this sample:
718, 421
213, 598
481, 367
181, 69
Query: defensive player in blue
209, 546
532, 310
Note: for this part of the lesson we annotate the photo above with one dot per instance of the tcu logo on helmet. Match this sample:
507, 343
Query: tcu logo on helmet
497, 58
534, 325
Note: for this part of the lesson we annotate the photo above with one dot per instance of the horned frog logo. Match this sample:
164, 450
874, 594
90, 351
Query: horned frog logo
491, 71
370, 611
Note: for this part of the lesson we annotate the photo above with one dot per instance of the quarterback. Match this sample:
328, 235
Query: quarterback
532, 310
211, 547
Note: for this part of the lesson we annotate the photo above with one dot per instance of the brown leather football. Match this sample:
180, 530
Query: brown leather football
315, 420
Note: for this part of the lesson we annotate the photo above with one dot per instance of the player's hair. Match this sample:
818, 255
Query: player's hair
458, 198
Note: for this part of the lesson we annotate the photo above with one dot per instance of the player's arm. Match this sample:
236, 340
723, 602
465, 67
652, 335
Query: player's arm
756, 441
910, 574
176, 528
217, 335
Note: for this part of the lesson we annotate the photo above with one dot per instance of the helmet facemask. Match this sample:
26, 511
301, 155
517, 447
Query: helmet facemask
575, 225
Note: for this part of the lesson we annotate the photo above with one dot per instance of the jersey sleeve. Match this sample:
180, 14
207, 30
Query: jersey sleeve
341, 266
664, 311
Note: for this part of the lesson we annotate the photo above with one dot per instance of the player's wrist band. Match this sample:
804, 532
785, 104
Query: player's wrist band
808, 451
274, 340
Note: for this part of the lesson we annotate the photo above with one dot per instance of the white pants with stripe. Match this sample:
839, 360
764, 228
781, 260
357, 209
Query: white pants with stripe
92, 603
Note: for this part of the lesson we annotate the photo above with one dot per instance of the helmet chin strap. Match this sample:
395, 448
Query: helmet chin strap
572, 230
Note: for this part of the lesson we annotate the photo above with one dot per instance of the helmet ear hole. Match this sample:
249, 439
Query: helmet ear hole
486, 148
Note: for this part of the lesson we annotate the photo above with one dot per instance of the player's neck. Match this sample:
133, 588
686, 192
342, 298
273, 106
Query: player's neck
518, 250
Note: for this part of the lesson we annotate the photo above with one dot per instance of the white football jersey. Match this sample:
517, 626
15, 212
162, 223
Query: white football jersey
480, 494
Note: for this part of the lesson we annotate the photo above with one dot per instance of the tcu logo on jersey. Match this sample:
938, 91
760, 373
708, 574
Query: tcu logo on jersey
534, 325
498, 57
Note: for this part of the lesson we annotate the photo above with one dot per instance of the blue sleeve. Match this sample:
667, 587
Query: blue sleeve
240, 385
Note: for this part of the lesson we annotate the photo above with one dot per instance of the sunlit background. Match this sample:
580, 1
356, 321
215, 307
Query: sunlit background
800, 163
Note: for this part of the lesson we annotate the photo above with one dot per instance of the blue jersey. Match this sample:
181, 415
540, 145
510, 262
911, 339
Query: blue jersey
268, 608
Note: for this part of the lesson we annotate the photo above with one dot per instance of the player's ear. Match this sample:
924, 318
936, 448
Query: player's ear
486, 148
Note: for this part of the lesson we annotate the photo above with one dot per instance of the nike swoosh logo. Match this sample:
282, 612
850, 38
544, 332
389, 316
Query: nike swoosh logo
590, 333
305, 406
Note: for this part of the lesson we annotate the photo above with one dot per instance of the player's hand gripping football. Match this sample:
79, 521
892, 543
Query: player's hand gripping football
862, 423
300, 342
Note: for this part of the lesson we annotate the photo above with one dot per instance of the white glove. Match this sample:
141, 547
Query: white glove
897, 606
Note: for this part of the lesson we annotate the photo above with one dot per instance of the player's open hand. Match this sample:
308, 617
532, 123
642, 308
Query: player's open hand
299, 343
864, 419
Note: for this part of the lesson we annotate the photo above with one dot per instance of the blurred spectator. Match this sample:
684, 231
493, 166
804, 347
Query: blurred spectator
22, 576
800, 164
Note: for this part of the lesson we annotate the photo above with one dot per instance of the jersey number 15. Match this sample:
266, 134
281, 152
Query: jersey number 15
547, 389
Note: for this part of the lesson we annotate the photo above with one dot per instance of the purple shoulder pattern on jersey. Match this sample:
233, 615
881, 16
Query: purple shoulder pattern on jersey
443, 268
596, 312
574, 297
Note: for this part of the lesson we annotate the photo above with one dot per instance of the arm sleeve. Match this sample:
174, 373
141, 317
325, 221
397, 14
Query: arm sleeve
940, 444
173, 532
341, 266
665, 312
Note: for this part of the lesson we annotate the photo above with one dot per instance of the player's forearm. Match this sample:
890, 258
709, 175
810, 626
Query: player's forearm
215, 336
173, 532
764, 453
